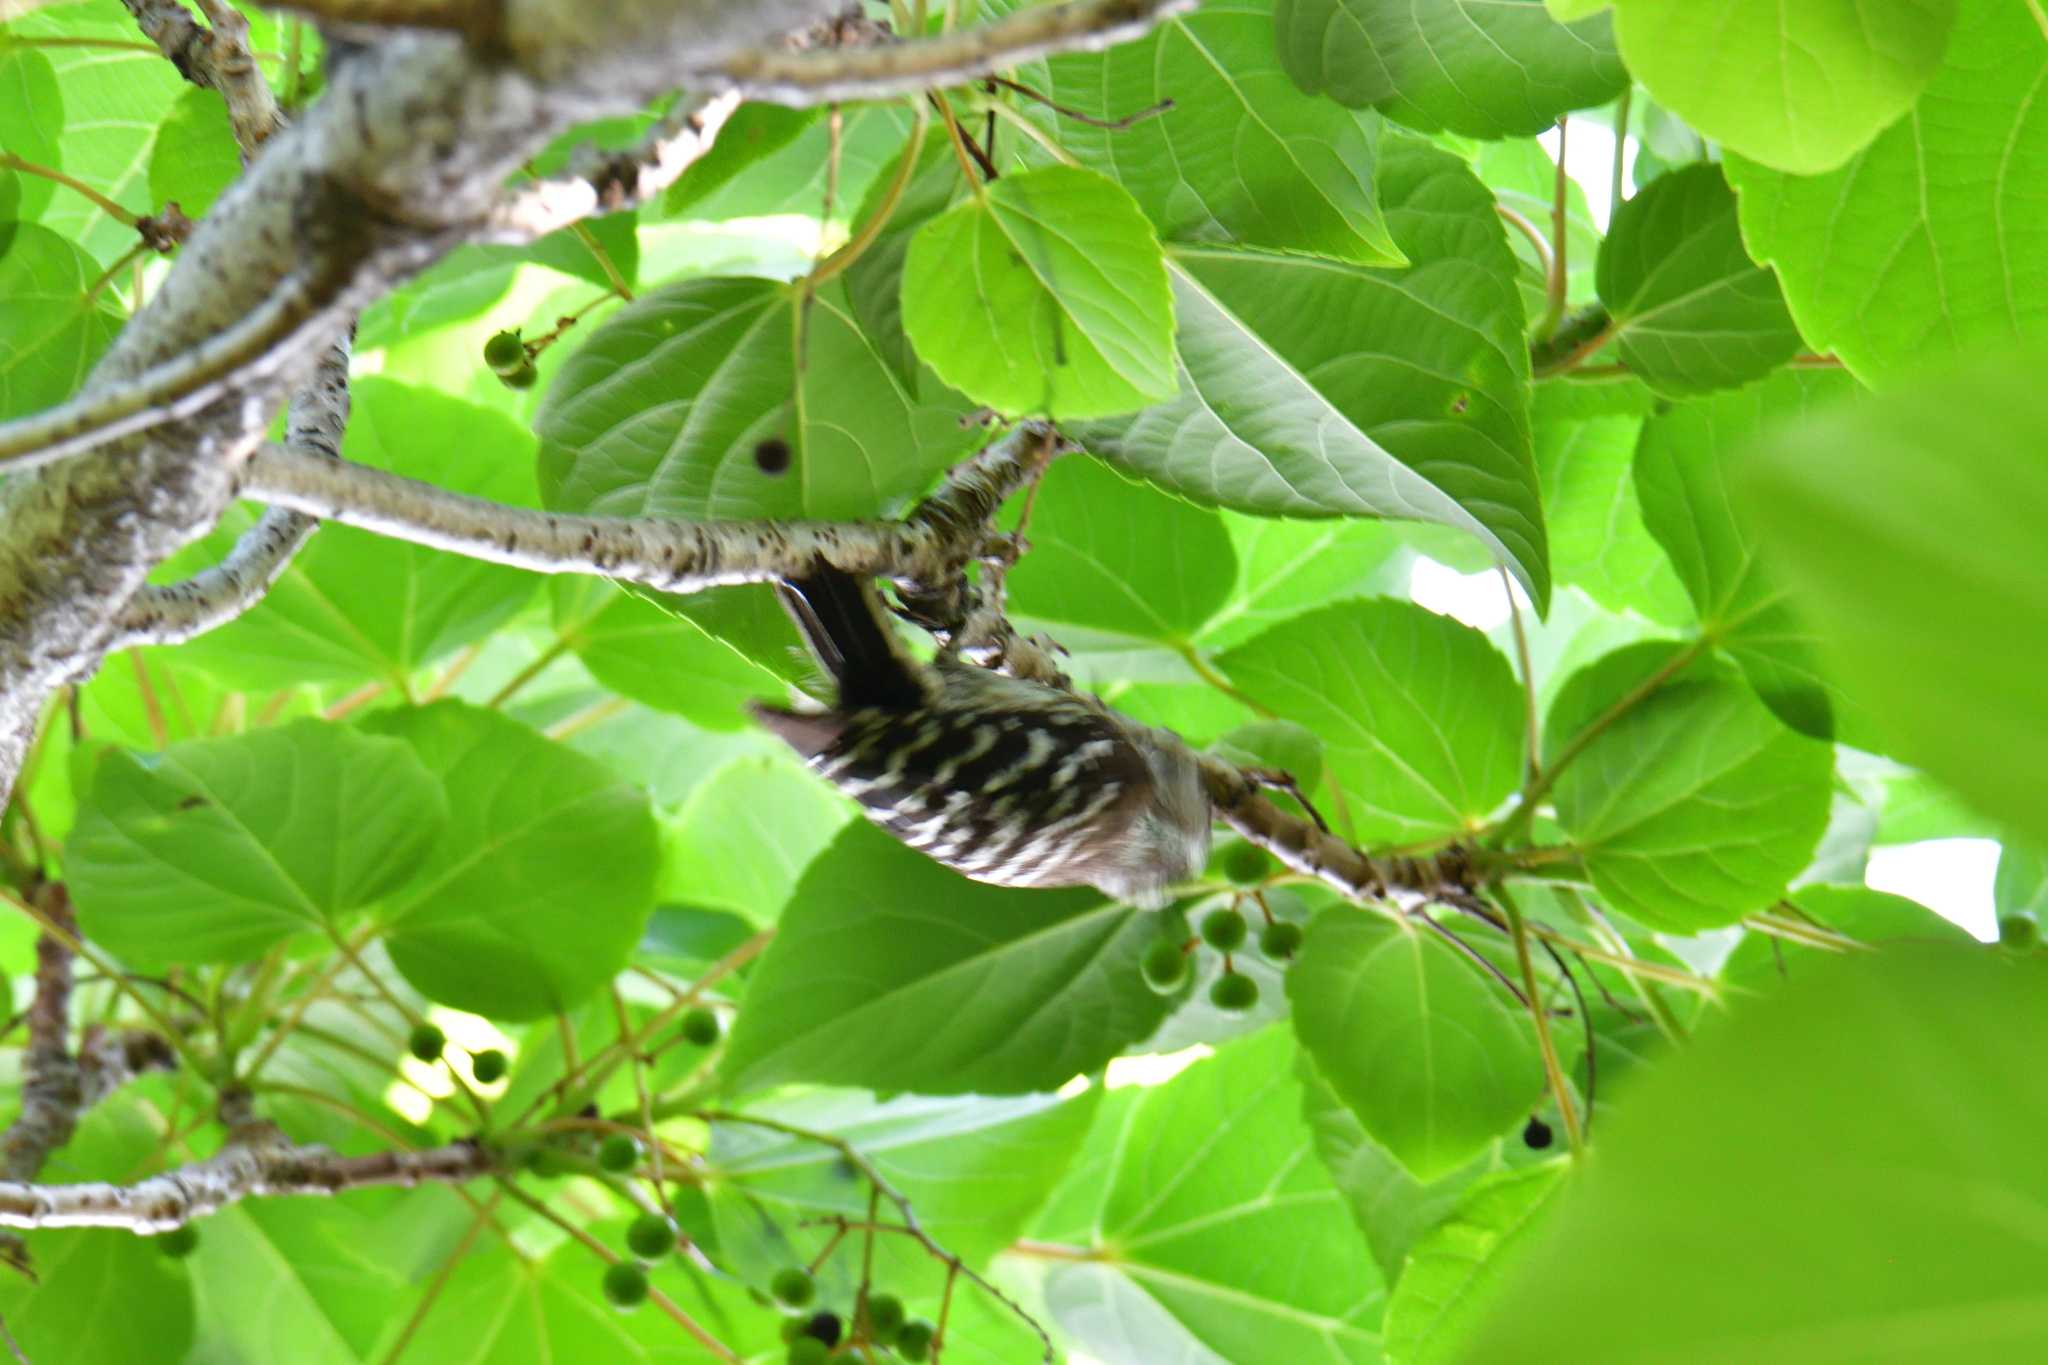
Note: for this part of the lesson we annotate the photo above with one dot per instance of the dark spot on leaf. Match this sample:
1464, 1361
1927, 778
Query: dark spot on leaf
842, 1169
1460, 403
771, 456
191, 803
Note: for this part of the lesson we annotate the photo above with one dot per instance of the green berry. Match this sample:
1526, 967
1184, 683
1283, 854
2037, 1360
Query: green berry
2019, 932
1234, 992
427, 1042
793, 1287
1223, 930
180, 1242
885, 1318
651, 1236
618, 1154
808, 1351
625, 1285
1280, 940
504, 352
1165, 966
914, 1342
700, 1027
1246, 864
521, 378
488, 1066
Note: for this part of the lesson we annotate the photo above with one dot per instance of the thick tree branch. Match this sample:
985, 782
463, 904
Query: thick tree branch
819, 76
257, 1161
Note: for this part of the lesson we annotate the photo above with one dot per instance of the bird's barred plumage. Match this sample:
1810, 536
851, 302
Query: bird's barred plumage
1004, 780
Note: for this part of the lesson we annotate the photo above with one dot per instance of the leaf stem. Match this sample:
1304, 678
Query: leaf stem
864, 237
10, 162
1560, 200
1552, 1069
1540, 785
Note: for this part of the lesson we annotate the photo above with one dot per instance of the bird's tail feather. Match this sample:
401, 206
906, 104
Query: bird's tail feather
840, 617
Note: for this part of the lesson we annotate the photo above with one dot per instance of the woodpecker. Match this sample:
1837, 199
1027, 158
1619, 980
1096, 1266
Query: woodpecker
1001, 779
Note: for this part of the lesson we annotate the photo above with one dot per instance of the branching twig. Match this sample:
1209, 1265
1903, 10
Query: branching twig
822, 76
881, 1186
1317, 853
213, 597
930, 546
258, 1161
215, 58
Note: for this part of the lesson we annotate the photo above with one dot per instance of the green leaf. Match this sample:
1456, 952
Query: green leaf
1800, 87
50, 334
195, 157
1217, 1235
1760, 963
502, 1306
1391, 1207
65, 1313
539, 889
1434, 1056
641, 645
1419, 715
755, 132
745, 835
1313, 388
1598, 541
116, 91
1243, 156
1886, 1093
2021, 886
455, 288
1691, 311
1487, 70
214, 850
874, 282
1456, 1267
792, 178
1910, 528
1067, 312
1285, 568
660, 411
1119, 556
1693, 808
1891, 260
974, 1168
1681, 476
307, 1272
892, 972
357, 606
32, 112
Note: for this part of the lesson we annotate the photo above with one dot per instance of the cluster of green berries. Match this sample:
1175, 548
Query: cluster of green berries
2019, 933
880, 1320
507, 356
1166, 964
649, 1238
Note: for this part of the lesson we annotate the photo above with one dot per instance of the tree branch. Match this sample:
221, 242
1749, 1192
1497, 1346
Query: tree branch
177, 612
820, 76
612, 182
257, 1161
929, 546
1239, 802
215, 58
